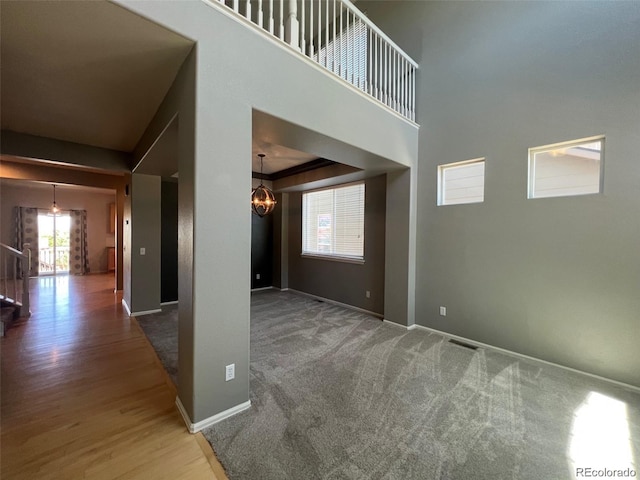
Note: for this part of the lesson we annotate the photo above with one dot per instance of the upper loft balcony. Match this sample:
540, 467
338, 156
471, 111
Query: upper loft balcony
339, 38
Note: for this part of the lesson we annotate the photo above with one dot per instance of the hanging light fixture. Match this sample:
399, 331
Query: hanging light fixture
55, 210
263, 201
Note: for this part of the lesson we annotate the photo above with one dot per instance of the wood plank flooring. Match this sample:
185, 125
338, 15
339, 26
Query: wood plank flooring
84, 395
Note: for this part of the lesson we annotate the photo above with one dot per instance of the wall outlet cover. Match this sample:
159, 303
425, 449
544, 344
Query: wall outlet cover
230, 372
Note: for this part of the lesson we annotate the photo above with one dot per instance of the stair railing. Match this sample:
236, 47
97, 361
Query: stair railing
14, 284
339, 37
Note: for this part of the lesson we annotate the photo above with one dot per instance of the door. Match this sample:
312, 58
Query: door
53, 239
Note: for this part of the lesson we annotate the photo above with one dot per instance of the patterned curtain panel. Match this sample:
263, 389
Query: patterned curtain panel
26, 223
78, 257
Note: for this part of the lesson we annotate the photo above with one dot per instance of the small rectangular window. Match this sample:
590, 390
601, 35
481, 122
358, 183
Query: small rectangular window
333, 222
566, 169
461, 182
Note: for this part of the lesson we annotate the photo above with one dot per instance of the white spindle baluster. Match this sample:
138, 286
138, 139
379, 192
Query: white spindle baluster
260, 14
375, 67
334, 67
271, 17
293, 26
349, 61
386, 73
326, 35
413, 95
15, 278
311, 24
236, 5
281, 20
369, 62
303, 21
341, 49
247, 11
319, 43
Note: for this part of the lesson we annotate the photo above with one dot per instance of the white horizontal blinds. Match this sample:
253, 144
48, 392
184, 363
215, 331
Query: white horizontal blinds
463, 183
333, 222
346, 53
573, 169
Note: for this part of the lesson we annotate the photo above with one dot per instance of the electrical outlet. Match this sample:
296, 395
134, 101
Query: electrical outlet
368, 294
257, 276
443, 311
230, 372
143, 251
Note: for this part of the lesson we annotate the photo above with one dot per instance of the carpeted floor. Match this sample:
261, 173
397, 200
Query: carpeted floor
337, 394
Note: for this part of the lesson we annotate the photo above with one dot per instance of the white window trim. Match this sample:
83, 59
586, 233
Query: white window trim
446, 166
531, 177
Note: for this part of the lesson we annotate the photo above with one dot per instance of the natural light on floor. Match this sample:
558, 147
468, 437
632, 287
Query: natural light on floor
600, 438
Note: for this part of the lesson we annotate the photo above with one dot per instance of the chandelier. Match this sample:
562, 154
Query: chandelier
55, 210
263, 201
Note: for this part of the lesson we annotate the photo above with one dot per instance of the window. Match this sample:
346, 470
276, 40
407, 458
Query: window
333, 222
461, 182
565, 169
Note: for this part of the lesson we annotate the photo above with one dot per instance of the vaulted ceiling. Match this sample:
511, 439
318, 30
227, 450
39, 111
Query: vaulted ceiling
93, 73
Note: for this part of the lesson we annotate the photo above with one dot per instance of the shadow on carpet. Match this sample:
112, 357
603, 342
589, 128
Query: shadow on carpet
336, 394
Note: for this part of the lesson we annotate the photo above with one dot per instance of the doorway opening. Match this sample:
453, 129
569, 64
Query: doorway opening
53, 241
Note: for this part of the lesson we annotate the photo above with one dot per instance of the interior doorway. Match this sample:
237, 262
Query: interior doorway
53, 241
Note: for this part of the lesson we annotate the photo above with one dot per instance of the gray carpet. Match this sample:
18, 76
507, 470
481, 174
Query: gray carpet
339, 395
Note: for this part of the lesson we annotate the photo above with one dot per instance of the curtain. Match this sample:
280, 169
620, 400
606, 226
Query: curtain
26, 224
78, 255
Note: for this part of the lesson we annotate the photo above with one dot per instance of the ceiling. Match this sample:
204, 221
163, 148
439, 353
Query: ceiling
10, 182
93, 73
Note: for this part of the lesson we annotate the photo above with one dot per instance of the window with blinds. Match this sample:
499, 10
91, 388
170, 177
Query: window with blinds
346, 55
333, 222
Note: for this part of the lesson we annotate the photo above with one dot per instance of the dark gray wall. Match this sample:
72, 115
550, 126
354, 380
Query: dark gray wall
555, 278
262, 251
169, 241
339, 281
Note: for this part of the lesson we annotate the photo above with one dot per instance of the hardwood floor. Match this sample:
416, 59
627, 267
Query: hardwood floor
84, 395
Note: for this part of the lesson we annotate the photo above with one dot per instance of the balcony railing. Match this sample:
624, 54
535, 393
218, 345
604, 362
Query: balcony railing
340, 38
53, 261
14, 278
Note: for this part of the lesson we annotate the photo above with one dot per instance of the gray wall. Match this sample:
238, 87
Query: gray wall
553, 278
143, 230
340, 281
215, 175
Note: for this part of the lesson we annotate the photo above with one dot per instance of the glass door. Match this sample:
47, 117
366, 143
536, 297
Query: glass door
53, 241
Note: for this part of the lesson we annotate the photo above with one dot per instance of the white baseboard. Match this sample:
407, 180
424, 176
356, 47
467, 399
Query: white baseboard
207, 422
145, 312
163, 304
394, 324
261, 288
516, 354
333, 302
126, 307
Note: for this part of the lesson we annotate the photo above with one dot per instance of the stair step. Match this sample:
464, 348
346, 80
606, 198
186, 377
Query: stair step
7, 316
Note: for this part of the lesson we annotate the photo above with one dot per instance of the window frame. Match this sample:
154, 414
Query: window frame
533, 151
356, 259
441, 180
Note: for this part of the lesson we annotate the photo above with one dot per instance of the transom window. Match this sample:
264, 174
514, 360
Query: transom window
461, 182
333, 222
566, 169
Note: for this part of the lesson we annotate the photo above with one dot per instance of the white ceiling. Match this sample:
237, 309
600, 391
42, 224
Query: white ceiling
91, 72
